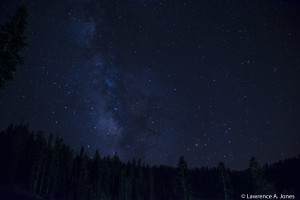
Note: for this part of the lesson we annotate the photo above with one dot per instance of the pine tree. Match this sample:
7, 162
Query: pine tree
40, 157
150, 183
225, 179
94, 172
259, 182
12, 42
184, 190
49, 148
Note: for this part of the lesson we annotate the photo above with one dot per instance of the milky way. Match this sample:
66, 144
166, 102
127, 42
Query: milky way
213, 81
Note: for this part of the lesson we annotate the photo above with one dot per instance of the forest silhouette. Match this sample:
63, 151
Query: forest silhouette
33, 167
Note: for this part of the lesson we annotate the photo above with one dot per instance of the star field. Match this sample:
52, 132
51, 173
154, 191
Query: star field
210, 80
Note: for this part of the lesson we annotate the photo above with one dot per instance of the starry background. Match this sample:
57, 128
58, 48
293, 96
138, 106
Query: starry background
210, 80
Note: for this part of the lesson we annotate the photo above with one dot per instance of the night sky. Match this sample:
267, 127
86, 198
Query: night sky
210, 80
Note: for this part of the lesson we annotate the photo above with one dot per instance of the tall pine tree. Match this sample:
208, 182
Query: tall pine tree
12, 42
260, 184
225, 180
183, 185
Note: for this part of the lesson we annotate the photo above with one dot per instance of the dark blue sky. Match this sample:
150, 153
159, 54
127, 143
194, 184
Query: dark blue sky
210, 80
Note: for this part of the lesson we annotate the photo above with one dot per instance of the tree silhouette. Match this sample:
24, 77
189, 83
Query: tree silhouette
259, 182
184, 190
48, 169
225, 179
12, 42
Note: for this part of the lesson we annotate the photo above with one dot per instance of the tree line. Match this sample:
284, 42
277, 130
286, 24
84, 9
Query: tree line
33, 167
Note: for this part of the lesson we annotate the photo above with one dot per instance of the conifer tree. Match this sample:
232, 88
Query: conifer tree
95, 177
259, 182
225, 179
150, 183
12, 42
184, 190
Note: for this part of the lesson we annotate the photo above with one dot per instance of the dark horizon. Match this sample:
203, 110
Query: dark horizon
91, 154
212, 81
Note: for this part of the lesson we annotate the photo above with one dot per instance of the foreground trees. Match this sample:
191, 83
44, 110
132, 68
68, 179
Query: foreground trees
34, 167
12, 42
